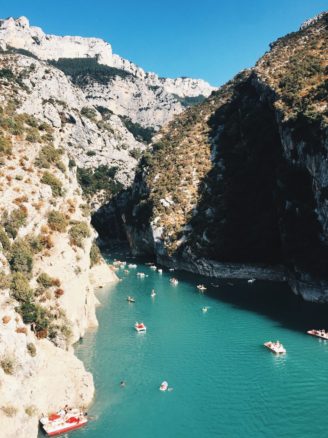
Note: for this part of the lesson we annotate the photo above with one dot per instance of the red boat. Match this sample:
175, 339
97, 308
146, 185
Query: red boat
63, 421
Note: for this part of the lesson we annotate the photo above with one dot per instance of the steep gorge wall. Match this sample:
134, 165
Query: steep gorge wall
242, 178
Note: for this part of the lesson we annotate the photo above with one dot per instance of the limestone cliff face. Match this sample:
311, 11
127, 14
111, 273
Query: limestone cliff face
242, 178
47, 298
143, 97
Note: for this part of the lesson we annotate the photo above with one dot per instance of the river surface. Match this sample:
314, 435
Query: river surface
225, 383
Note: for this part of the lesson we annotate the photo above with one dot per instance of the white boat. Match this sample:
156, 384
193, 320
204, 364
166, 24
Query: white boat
251, 280
141, 274
164, 386
318, 333
63, 421
174, 281
201, 287
275, 347
153, 293
130, 299
171, 269
140, 327
153, 267
204, 309
132, 266
160, 271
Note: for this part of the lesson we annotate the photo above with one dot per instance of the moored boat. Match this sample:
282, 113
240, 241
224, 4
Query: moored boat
140, 327
201, 287
318, 333
160, 271
275, 347
141, 274
132, 266
174, 281
164, 386
251, 280
63, 421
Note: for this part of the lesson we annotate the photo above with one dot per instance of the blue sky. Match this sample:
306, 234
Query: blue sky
209, 39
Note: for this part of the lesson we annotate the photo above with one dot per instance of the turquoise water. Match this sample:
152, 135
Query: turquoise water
225, 383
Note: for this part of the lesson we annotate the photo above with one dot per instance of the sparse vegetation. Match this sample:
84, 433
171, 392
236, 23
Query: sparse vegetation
139, 132
52, 181
20, 288
78, 232
100, 179
21, 257
57, 221
88, 112
7, 363
31, 348
15, 221
9, 410
81, 70
45, 280
48, 155
95, 255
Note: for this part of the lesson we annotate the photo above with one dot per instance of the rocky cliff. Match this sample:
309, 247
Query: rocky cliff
105, 108
242, 178
48, 259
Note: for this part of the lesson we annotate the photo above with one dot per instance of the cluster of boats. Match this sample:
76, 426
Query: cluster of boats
278, 348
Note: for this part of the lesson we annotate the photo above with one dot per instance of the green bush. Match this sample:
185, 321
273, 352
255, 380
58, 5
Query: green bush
4, 240
21, 257
71, 163
31, 349
139, 132
91, 153
7, 363
53, 182
6, 73
20, 287
61, 166
6, 146
34, 313
90, 113
45, 280
100, 179
48, 155
16, 220
4, 280
95, 255
81, 69
33, 135
35, 243
78, 232
57, 221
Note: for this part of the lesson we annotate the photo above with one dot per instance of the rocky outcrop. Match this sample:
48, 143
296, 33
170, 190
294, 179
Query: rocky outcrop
143, 97
242, 178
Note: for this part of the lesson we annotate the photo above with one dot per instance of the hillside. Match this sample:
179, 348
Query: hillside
48, 264
242, 177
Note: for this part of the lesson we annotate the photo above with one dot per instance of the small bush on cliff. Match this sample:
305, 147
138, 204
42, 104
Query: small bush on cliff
31, 349
95, 255
7, 363
16, 220
45, 280
6, 146
35, 243
48, 155
20, 288
21, 257
4, 239
34, 313
78, 232
9, 410
90, 113
4, 280
57, 221
53, 182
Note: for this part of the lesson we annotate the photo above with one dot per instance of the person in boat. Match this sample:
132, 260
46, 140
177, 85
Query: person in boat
122, 384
